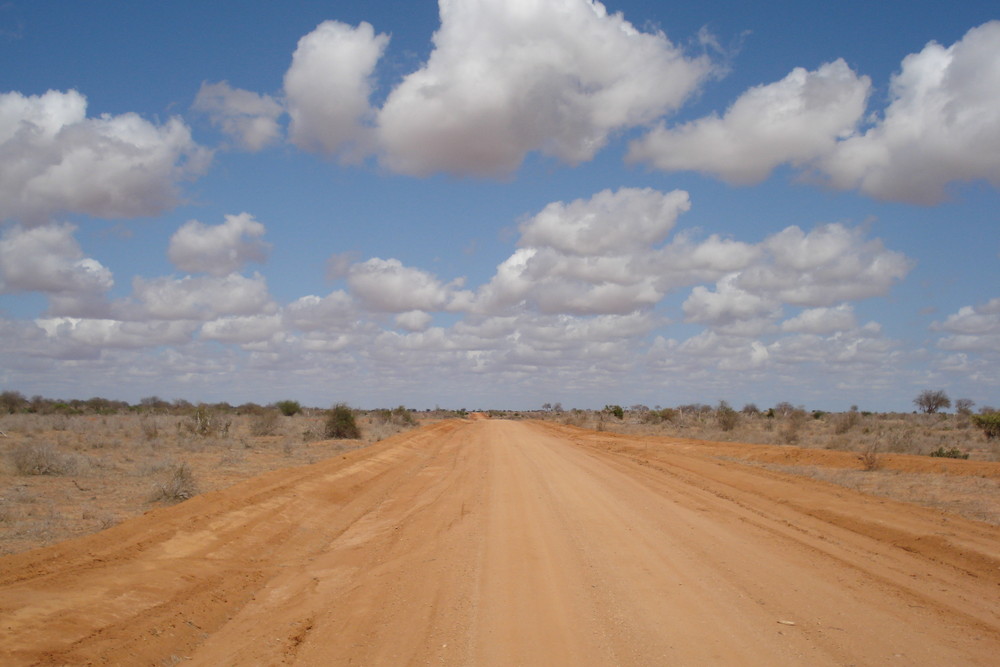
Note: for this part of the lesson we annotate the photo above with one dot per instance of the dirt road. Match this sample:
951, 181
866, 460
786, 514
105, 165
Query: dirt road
514, 543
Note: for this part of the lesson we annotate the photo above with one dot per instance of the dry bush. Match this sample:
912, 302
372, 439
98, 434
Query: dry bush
870, 459
179, 484
42, 459
726, 417
792, 427
846, 421
265, 423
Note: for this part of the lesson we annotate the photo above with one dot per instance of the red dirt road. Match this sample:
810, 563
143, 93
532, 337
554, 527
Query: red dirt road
514, 543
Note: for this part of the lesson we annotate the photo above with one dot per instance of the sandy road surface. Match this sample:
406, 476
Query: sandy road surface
510, 543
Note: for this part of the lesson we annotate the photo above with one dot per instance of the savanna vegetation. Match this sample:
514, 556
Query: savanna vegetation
70, 467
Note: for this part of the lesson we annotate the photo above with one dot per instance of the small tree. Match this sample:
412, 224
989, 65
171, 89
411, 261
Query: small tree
930, 401
340, 423
289, 408
990, 423
616, 410
963, 406
726, 417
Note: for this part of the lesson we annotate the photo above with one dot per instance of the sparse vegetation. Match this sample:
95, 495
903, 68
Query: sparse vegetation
265, 422
615, 411
341, 423
726, 417
870, 459
931, 401
178, 484
41, 459
288, 408
953, 453
989, 423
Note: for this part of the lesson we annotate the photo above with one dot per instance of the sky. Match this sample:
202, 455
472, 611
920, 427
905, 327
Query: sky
501, 203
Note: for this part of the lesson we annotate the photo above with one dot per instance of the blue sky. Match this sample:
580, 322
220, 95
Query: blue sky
490, 204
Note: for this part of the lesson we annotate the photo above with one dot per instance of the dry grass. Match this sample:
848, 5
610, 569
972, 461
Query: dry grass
855, 432
872, 438
63, 476
971, 497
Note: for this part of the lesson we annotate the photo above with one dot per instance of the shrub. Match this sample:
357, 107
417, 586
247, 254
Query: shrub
340, 423
288, 408
870, 459
41, 459
726, 417
206, 422
953, 453
264, 423
844, 422
616, 410
180, 484
989, 423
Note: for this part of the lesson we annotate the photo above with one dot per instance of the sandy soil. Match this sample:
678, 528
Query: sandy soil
491, 542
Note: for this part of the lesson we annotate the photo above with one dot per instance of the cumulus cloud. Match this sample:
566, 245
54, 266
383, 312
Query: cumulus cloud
507, 78
312, 313
972, 328
327, 88
792, 121
822, 321
196, 298
414, 320
218, 249
387, 285
249, 119
107, 333
609, 222
48, 259
941, 127
727, 304
243, 329
591, 256
53, 158
830, 264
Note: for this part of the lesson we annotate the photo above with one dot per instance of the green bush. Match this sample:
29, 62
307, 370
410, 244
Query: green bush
340, 423
288, 408
616, 410
990, 423
953, 453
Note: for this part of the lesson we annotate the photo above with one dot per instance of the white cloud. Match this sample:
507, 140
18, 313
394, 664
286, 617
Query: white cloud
54, 159
727, 304
830, 264
48, 259
414, 320
243, 329
609, 222
328, 87
336, 311
793, 121
105, 333
942, 126
591, 256
386, 285
821, 321
507, 78
218, 249
248, 118
972, 328
196, 298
